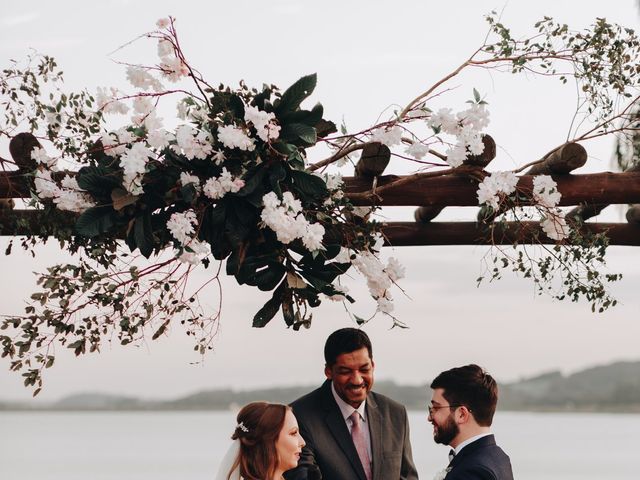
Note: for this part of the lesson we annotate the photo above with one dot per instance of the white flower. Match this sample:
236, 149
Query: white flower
218, 157
445, 120
40, 156
494, 185
114, 143
193, 143
162, 23
417, 150
456, 155
477, 116
385, 305
181, 226
263, 122
199, 250
73, 201
140, 78
159, 139
387, 136
234, 137
394, 269
312, 236
545, 191
107, 101
186, 179
334, 182
134, 162
172, 68
45, 186
218, 187
182, 109
285, 218
344, 256
165, 49
554, 225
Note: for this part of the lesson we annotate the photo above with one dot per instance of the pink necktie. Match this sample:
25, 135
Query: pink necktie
360, 442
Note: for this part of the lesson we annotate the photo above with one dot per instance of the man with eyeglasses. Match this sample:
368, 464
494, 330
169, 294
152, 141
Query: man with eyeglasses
461, 411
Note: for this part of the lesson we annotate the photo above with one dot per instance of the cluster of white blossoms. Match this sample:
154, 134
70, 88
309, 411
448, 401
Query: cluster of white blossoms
173, 68
379, 277
141, 78
217, 187
387, 136
496, 185
67, 196
466, 126
285, 218
546, 194
264, 123
192, 143
134, 165
235, 137
182, 227
108, 101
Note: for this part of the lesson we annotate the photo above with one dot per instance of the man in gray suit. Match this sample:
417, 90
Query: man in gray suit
461, 411
351, 432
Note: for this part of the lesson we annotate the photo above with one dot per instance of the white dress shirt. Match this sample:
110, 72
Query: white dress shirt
470, 440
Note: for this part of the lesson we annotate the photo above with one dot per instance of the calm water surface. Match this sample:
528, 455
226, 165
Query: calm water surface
179, 445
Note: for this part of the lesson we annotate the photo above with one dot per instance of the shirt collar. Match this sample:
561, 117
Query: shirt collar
347, 409
470, 440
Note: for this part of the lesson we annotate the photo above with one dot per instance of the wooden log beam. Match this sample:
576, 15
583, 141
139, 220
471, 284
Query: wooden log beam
633, 214
460, 191
374, 159
564, 160
399, 234
427, 213
404, 234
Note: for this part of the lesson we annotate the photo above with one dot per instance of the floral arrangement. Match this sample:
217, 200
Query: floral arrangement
232, 182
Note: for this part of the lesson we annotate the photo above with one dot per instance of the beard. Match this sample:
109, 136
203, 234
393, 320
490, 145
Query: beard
446, 432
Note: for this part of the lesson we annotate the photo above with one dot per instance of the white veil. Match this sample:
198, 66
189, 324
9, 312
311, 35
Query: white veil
227, 462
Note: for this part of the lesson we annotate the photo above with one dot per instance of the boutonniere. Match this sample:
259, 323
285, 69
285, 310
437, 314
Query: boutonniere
442, 474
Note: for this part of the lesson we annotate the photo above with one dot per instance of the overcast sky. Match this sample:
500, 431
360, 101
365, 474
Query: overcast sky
368, 56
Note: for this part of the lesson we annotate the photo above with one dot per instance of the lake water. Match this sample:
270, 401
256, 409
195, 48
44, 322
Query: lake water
189, 445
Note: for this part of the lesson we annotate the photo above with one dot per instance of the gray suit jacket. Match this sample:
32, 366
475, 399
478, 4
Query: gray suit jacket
481, 460
330, 450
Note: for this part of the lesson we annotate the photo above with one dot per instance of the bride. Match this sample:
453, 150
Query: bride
266, 443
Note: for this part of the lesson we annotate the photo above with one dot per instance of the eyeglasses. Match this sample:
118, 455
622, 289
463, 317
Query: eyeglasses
432, 408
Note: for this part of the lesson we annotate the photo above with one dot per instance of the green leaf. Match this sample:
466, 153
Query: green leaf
98, 180
269, 309
143, 234
296, 93
309, 185
299, 131
95, 221
267, 278
325, 127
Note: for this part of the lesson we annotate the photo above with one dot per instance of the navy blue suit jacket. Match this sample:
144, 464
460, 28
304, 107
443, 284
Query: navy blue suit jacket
481, 460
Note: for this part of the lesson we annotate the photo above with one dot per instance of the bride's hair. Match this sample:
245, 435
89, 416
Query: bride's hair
258, 428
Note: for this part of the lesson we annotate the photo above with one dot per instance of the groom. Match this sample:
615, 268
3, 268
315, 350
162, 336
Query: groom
351, 433
461, 411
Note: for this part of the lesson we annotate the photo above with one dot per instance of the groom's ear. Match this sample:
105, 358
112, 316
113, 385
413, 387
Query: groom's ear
327, 371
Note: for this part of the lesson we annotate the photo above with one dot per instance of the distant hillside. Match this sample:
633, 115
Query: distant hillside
614, 387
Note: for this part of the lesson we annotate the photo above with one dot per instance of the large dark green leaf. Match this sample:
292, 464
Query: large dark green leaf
296, 93
325, 127
269, 309
267, 278
295, 132
309, 185
236, 106
308, 117
254, 180
143, 234
97, 180
95, 221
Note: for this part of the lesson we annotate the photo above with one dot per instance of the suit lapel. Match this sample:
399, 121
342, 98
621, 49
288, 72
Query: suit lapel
375, 432
338, 428
480, 443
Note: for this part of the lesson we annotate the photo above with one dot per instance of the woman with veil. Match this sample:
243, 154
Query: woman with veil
266, 443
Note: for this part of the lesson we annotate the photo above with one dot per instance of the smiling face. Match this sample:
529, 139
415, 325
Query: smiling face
289, 443
352, 376
442, 417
